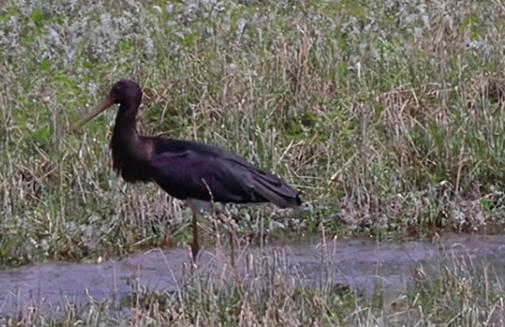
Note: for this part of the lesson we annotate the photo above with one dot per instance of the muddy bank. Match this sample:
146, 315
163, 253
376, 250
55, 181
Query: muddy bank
361, 264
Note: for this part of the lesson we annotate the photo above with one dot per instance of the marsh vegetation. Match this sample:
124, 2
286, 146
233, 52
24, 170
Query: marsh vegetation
387, 115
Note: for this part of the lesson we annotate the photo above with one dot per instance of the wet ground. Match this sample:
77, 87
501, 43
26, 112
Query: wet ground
361, 264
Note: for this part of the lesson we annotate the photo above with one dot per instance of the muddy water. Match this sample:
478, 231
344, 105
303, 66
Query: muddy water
361, 264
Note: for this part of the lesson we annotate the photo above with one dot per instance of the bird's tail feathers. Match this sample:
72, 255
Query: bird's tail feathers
276, 191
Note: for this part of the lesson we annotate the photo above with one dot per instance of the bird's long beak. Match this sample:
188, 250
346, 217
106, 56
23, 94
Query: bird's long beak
106, 103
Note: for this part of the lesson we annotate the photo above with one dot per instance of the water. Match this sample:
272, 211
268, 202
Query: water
360, 264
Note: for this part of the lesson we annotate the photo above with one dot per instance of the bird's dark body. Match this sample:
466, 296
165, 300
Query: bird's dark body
190, 170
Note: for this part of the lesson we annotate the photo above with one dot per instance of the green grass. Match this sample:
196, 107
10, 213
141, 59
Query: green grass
387, 115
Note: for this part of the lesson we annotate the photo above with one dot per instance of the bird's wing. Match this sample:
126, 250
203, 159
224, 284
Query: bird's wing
193, 169
191, 174
272, 187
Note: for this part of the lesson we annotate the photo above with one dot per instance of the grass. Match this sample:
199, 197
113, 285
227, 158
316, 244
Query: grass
385, 131
453, 291
387, 115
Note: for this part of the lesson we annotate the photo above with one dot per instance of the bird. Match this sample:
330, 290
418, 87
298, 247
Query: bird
195, 172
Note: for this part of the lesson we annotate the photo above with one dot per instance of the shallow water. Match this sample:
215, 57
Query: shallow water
361, 264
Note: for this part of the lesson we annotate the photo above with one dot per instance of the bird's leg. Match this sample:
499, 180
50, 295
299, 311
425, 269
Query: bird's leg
195, 246
233, 236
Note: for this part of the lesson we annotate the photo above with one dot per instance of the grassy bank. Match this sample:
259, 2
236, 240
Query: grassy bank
387, 115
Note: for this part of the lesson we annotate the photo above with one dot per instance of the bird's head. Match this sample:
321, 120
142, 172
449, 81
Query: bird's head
126, 93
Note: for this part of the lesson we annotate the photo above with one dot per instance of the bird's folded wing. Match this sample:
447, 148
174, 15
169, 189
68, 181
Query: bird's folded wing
191, 175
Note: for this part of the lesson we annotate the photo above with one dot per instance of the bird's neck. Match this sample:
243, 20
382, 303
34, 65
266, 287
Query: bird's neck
129, 153
125, 133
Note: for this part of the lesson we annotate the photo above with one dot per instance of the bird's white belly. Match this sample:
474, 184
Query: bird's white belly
199, 205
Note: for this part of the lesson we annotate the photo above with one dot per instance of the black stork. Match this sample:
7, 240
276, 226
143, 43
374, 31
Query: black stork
186, 170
